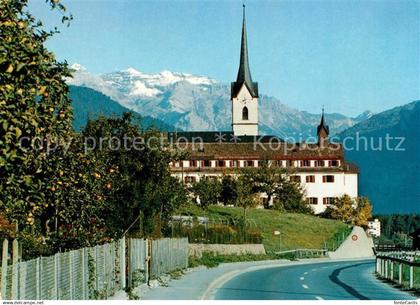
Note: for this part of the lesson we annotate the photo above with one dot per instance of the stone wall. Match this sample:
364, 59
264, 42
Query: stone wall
197, 250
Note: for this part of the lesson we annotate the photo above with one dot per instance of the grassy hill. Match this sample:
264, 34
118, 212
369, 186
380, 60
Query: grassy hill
297, 230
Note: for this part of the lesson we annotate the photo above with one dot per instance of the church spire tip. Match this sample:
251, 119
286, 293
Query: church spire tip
244, 73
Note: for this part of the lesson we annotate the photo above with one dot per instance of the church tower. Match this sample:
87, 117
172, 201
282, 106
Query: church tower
244, 94
323, 131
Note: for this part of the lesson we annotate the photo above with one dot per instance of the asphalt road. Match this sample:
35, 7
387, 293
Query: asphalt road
320, 281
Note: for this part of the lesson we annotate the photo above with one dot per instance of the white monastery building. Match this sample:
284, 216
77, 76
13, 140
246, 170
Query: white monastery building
319, 167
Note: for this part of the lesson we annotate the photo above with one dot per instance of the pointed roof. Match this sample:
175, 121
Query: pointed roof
244, 73
322, 125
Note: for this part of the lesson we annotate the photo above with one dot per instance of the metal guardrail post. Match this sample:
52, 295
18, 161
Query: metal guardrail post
400, 277
411, 277
392, 271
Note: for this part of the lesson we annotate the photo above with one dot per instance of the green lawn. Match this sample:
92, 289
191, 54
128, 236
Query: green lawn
297, 230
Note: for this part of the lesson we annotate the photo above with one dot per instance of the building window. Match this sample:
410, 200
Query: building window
328, 178
245, 114
189, 179
206, 163
328, 200
277, 163
312, 200
234, 163
305, 163
295, 178
310, 179
333, 163
290, 163
193, 163
249, 163
320, 163
221, 163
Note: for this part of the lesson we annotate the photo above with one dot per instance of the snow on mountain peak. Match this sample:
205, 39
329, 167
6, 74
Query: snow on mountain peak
133, 72
138, 88
78, 67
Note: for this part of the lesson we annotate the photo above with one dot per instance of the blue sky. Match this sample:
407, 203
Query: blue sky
348, 55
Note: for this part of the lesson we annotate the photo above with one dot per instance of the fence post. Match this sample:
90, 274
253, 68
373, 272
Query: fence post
85, 274
400, 267
71, 274
95, 249
147, 260
38, 278
4, 269
411, 277
122, 262
15, 269
56, 272
130, 244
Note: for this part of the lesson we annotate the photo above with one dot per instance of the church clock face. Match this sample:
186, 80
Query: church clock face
243, 101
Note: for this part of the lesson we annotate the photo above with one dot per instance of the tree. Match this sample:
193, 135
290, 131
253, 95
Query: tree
37, 164
208, 191
342, 209
228, 194
289, 198
246, 196
354, 211
266, 179
143, 189
363, 212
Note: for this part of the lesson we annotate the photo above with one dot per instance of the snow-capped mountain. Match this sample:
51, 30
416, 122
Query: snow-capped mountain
199, 103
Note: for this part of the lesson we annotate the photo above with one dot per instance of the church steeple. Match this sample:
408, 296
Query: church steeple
244, 73
323, 130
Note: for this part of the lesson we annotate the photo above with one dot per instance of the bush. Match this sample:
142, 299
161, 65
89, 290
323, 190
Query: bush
217, 234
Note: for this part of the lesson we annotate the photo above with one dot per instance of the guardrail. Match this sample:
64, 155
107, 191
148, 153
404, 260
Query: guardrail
301, 253
400, 267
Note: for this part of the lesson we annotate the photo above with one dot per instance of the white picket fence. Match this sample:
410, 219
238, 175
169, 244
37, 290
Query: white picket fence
92, 273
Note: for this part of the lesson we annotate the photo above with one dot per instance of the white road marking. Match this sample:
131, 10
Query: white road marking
302, 278
318, 298
306, 273
305, 286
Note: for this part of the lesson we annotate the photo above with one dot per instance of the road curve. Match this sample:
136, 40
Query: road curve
351, 280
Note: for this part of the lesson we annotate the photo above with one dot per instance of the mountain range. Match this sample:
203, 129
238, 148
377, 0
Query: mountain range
388, 176
196, 103
89, 104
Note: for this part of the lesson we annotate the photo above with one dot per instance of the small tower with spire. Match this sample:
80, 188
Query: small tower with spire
323, 131
244, 94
